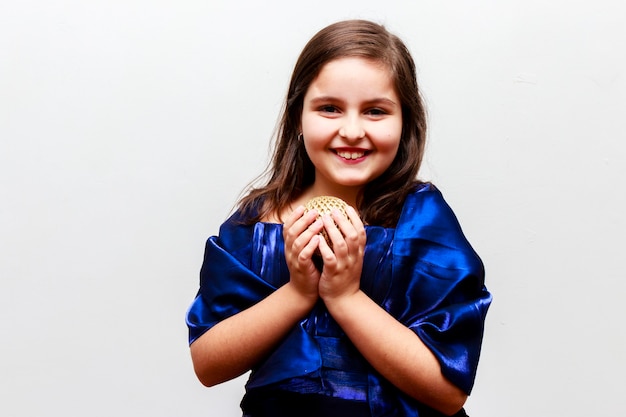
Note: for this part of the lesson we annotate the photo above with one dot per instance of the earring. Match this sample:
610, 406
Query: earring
300, 137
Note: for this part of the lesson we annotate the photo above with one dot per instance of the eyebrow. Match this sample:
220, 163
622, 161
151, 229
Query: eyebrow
379, 100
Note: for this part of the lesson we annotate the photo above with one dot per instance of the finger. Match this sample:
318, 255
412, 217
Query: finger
306, 220
316, 227
335, 235
327, 253
297, 222
354, 218
294, 216
351, 227
347, 222
309, 249
309, 233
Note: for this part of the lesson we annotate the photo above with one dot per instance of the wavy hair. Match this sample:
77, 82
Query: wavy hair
291, 171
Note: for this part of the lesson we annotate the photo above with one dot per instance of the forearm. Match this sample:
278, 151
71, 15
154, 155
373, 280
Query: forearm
396, 352
235, 345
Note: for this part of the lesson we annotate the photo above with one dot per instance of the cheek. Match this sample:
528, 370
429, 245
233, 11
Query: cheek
307, 126
318, 132
389, 139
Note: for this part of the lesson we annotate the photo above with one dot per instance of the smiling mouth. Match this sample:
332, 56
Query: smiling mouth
352, 154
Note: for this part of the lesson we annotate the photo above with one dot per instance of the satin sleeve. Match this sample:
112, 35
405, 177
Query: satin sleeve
227, 284
438, 286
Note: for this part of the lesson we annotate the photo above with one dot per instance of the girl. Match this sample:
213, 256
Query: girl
391, 324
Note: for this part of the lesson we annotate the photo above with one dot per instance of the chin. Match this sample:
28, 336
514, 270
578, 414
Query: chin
351, 184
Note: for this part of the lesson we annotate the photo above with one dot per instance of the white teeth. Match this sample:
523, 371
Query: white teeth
351, 155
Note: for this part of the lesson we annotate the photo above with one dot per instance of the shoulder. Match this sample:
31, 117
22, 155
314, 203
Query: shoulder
428, 219
235, 234
426, 205
429, 242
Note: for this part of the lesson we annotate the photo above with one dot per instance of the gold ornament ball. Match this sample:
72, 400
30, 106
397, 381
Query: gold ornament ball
324, 205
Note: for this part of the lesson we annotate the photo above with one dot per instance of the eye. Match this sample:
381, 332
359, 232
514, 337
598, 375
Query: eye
376, 112
328, 109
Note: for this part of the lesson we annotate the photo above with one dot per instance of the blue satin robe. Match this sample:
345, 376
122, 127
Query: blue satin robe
423, 272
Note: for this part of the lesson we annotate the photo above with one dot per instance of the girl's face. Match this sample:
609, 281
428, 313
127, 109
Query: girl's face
352, 124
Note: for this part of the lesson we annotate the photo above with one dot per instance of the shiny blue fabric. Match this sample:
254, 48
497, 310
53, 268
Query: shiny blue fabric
423, 272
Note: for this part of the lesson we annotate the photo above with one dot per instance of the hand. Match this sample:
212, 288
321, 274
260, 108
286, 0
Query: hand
301, 234
343, 263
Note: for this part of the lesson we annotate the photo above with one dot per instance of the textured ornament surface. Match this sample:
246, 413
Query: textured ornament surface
324, 205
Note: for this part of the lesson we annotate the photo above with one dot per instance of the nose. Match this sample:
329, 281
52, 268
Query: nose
352, 129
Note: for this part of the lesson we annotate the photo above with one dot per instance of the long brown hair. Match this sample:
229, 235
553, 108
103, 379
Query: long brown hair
291, 171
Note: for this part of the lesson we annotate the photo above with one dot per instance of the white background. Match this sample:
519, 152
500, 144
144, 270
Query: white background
129, 128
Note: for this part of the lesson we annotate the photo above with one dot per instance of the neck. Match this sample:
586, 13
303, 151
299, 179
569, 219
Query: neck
347, 194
